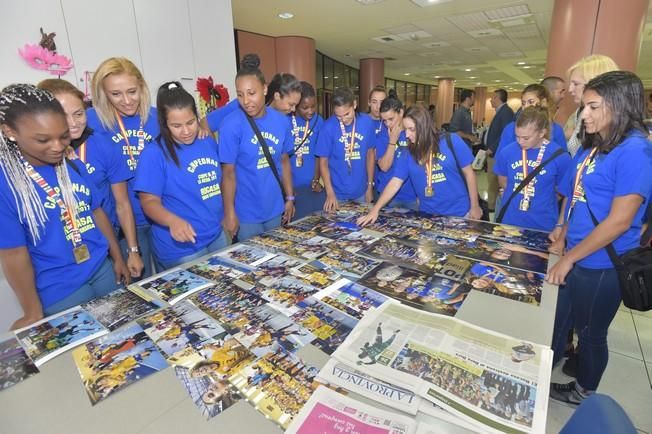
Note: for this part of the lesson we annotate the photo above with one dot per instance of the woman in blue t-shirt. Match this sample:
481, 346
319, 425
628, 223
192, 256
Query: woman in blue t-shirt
122, 110
346, 151
55, 237
535, 206
306, 125
102, 159
432, 168
390, 143
611, 179
253, 198
178, 182
534, 95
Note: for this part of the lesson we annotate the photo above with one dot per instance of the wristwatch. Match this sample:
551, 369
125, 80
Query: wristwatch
133, 249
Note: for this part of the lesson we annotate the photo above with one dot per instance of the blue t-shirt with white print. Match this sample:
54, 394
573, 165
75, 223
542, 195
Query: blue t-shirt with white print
348, 182
450, 195
217, 116
626, 170
542, 213
56, 273
191, 191
302, 176
132, 126
258, 196
509, 135
382, 178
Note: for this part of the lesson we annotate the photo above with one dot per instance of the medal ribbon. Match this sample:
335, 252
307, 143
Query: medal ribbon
527, 190
69, 222
429, 171
295, 133
577, 189
140, 134
348, 147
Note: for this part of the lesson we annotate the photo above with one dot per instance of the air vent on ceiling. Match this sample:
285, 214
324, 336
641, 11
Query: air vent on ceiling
387, 38
483, 33
511, 54
476, 49
390, 59
437, 44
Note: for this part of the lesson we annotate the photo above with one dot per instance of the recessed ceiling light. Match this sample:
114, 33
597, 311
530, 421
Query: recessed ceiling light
325, 76
286, 15
478, 83
468, 70
436, 76
471, 78
520, 63
406, 73
497, 81
347, 55
336, 77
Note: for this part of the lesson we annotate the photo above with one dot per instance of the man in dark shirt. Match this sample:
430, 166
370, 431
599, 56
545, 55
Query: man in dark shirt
504, 115
461, 122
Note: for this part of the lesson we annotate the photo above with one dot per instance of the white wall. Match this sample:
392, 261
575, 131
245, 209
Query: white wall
166, 39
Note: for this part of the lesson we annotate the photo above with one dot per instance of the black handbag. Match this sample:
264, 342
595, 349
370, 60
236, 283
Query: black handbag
634, 270
483, 203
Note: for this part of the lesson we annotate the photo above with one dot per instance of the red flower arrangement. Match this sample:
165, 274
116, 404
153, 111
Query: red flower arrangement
211, 95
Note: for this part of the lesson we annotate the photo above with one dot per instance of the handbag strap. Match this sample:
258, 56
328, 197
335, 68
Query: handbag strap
268, 155
525, 182
297, 147
611, 250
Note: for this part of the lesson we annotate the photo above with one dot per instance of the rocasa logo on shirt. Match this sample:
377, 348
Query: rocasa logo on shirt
262, 161
118, 137
437, 174
208, 180
83, 223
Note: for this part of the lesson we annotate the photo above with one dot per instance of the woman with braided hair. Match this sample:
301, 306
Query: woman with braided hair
56, 236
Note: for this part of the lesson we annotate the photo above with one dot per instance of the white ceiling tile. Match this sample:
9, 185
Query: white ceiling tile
508, 12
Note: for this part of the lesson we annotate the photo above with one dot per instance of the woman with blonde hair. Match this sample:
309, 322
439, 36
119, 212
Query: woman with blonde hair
122, 110
579, 74
102, 162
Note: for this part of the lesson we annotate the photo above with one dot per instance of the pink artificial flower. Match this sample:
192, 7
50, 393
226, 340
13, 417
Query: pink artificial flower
45, 60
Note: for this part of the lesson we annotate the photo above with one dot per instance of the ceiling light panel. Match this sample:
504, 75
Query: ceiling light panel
428, 3
507, 13
470, 22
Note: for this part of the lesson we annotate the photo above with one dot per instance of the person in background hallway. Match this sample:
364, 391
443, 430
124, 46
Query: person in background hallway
557, 89
461, 121
611, 179
504, 115
579, 74
376, 97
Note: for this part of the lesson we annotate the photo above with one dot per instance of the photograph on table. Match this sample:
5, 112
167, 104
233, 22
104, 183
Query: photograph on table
120, 307
307, 225
315, 274
293, 233
218, 269
231, 306
453, 227
59, 333
397, 282
355, 241
453, 268
278, 385
117, 360
420, 256
336, 229
278, 244
349, 264
15, 366
270, 270
502, 253
174, 285
506, 282
284, 293
176, 328
210, 394
247, 255
350, 298
330, 326
267, 328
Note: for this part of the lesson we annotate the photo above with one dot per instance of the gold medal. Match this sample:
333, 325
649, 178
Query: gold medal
429, 191
81, 253
524, 205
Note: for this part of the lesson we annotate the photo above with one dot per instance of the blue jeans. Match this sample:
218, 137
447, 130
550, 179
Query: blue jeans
217, 244
307, 201
588, 302
144, 238
248, 230
101, 283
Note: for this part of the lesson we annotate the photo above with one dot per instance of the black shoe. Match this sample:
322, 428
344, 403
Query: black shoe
567, 393
570, 366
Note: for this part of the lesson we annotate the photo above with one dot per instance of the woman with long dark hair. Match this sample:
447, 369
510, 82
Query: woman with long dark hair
434, 170
607, 190
178, 182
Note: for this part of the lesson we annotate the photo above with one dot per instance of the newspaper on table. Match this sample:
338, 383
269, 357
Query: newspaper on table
494, 381
330, 412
